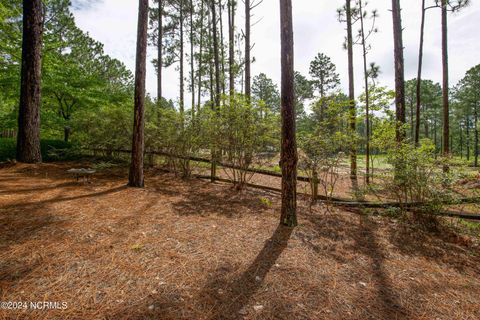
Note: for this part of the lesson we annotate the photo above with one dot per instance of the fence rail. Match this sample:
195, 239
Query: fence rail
332, 200
8, 133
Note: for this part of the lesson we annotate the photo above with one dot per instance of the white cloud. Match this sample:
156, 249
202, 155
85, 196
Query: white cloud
316, 29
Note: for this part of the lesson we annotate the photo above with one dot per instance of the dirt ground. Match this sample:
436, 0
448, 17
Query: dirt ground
195, 250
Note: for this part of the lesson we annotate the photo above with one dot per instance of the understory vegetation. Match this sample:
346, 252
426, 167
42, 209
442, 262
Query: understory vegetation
87, 103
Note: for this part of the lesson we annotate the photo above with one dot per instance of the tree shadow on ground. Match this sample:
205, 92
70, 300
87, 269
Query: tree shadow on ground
38, 189
167, 184
34, 204
167, 305
20, 222
200, 200
229, 296
17, 227
333, 235
442, 245
171, 304
14, 270
388, 302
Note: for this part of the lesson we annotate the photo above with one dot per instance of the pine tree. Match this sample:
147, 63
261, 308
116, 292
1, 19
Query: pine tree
28, 139
399, 71
288, 157
136, 177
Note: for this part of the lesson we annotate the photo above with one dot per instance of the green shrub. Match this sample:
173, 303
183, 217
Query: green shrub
52, 150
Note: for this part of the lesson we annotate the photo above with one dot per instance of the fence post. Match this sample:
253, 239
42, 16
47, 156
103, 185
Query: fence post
315, 185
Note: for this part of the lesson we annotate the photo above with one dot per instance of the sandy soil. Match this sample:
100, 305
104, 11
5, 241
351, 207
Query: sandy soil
195, 250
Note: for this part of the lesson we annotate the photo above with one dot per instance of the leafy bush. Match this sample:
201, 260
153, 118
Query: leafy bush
52, 150
240, 132
417, 176
168, 131
323, 150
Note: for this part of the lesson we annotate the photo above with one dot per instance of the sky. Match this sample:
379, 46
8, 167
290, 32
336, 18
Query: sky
316, 29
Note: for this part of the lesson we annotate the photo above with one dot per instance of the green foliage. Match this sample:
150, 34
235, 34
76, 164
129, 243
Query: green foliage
52, 150
109, 128
7, 149
77, 77
323, 150
242, 131
417, 175
265, 90
266, 202
323, 72
467, 96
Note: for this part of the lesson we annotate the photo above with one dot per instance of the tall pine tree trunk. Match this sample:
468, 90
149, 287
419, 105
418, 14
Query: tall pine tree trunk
367, 97
222, 47
461, 141
182, 80
136, 178
247, 51
399, 71
28, 136
192, 59
476, 133
446, 124
288, 157
200, 57
468, 138
351, 92
216, 54
216, 58
231, 45
210, 57
160, 51
419, 77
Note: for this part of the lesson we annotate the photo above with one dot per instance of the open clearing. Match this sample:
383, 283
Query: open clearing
196, 250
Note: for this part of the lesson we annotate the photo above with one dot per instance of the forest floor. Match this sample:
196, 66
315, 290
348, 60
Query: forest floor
196, 250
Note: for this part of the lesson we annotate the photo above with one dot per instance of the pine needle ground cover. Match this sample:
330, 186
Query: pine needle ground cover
196, 250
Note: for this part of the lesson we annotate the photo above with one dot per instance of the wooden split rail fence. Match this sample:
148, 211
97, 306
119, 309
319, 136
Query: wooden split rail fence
331, 200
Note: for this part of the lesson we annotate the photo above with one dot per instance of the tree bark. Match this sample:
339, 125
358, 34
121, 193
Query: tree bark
367, 98
351, 92
461, 141
419, 77
28, 137
288, 157
160, 50
231, 45
446, 125
66, 133
476, 134
468, 137
210, 57
222, 47
136, 177
399, 71
192, 59
247, 51
216, 53
216, 57
182, 80
200, 59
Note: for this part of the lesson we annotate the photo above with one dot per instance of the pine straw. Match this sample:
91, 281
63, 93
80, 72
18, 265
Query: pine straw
193, 250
